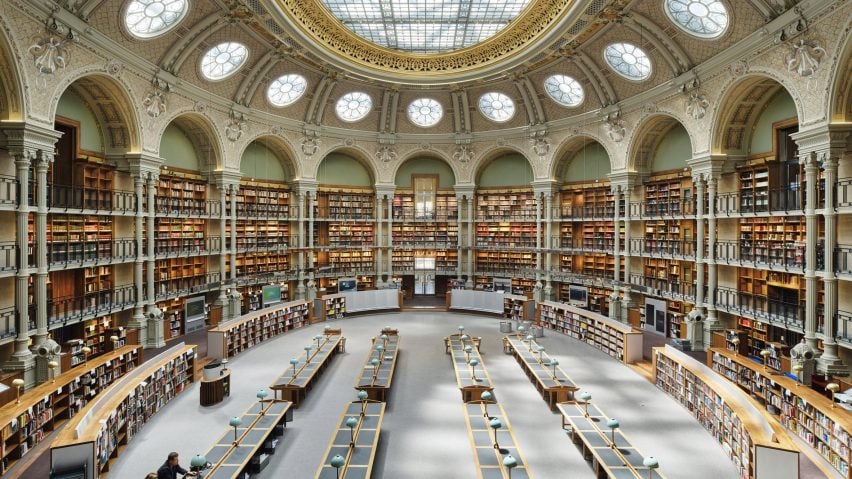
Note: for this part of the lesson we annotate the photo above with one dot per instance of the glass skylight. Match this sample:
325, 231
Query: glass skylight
702, 18
222, 60
286, 89
425, 112
425, 26
628, 60
149, 18
353, 106
497, 106
564, 90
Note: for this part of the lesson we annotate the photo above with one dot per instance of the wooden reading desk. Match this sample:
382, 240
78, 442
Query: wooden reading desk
470, 388
376, 380
594, 439
489, 460
554, 385
294, 387
258, 436
358, 456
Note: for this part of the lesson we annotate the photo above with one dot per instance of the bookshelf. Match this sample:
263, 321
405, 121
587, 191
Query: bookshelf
263, 200
587, 201
237, 336
49, 406
344, 203
669, 237
349, 234
730, 416
179, 275
330, 306
777, 240
507, 262
348, 261
800, 409
257, 263
96, 437
181, 193
754, 188
96, 181
505, 235
435, 234
669, 196
173, 317
96, 333
505, 205
618, 340
404, 209
180, 235
77, 237
518, 308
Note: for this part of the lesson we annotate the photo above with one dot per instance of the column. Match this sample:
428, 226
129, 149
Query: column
699, 240
43, 160
459, 236
470, 243
390, 239
712, 321
627, 301
300, 284
811, 170
311, 201
139, 320
155, 316
548, 214
233, 188
829, 362
223, 240
379, 240
615, 298
22, 358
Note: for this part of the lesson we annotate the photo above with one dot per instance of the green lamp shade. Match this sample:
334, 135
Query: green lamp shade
262, 394
337, 461
308, 347
380, 348
585, 396
474, 362
294, 361
486, 396
235, 422
521, 328
468, 349
327, 328
374, 362
554, 362
541, 349
383, 337
651, 462
465, 337
612, 423
198, 461
530, 337
510, 462
351, 422
362, 395
318, 336
495, 423
461, 328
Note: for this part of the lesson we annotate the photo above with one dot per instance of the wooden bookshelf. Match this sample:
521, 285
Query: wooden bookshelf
518, 308
777, 240
263, 200
618, 340
803, 411
330, 306
257, 263
96, 180
47, 407
754, 188
181, 193
95, 438
676, 312
505, 235
341, 235
733, 418
438, 234
345, 203
96, 333
669, 195
349, 261
505, 205
180, 236
174, 317
77, 238
181, 274
232, 338
587, 201
404, 209
504, 261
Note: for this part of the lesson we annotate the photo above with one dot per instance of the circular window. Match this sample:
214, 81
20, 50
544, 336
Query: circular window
628, 60
223, 60
353, 106
286, 89
497, 107
702, 18
425, 112
149, 18
564, 90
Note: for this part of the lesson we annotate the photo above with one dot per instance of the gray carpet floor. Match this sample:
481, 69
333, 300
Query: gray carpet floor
424, 433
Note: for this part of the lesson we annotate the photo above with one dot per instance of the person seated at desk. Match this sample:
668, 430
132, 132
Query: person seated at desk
171, 468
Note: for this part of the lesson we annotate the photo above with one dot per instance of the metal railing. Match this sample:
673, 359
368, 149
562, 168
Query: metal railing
264, 243
254, 210
671, 209
665, 287
587, 212
525, 242
843, 326
9, 191
64, 197
7, 322
168, 288
8, 256
74, 308
787, 255
342, 213
90, 252
187, 207
674, 248
187, 246
401, 213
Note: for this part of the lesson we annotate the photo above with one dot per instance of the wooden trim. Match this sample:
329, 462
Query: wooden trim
325, 188
181, 173
668, 175
578, 186
263, 183
503, 189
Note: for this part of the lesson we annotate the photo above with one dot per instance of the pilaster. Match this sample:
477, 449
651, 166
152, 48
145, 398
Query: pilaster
465, 193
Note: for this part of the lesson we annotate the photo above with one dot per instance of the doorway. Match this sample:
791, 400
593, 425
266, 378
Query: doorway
424, 275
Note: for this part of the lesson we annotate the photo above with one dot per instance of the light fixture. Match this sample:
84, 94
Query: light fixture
197, 463
651, 463
736, 343
384, 339
375, 362
337, 462
765, 353
464, 337
612, 424
473, 363
318, 337
351, 422
52, 365
509, 462
18, 383
235, 422
261, 395
495, 425
362, 395
798, 371
114, 340
308, 353
294, 362
832, 387
467, 350
530, 338
86, 350
553, 363
486, 396
586, 397
540, 353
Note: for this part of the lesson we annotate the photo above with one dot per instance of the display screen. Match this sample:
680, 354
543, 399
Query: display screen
271, 294
578, 295
194, 307
347, 284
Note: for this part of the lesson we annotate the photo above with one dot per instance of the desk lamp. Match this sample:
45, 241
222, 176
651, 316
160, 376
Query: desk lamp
461, 329
495, 425
375, 362
612, 424
467, 350
473, 363
261, 395
540, 352
464, 337
351, 422
52, 365
337, 462
486, 396
586, 397
235, 422
308, 353
294, 362
530, 339
318, 337
651, 463
384, 339
798, 371
509, 462
197, 463
362, 395
18, 383
86, 350
765, 354
832, 387
736, 343
553, 363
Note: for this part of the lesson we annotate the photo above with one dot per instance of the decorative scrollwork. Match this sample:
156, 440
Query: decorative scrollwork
463, 154
155, 103
614, 126
236, 126
49, 54
540, 145
804, 57
310, 144
696, 105
386, 154
739, 68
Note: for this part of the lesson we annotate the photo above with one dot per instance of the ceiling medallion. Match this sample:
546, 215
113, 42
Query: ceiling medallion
313, 25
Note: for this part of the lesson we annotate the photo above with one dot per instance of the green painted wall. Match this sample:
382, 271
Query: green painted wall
177, 151
72, 106
590, 163
425, 166
340, 169
780, 107
673, 151
261, 163
508, 170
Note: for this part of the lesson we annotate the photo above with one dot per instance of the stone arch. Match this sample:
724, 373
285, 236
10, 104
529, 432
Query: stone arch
112, 102
12, 104
839, 100
433, 154
280, 147
202, 133
357, 153
647, 137
738, 107
571, 146
489, 155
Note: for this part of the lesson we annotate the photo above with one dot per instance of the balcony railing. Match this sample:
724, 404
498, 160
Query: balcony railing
65, 198
790, 315
340, 213
413, 214
187, 207
8, 256
8, 191
188, 246
74, 308
253, 210
728, 204
90, 252
407, 244
843, 259
265, 243
644, 209
525, 242
180, 286
587, 212
359, 269
672, 289
673, 248
786, 255
7, 322
844, 326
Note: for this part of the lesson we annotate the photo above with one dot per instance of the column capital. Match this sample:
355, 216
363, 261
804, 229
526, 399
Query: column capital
823, 140
303, 186
226, 179
21, 136
709, 166
140, 164
385, 191
546, 187
626, 180
464, 190
43, 159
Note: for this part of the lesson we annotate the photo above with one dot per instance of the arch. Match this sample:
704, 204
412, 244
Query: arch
356, 154
282, 150
430, 155
202, 134
570, 149
12, 104
489, 157
739, 106
111, 102
839, 105
648, 135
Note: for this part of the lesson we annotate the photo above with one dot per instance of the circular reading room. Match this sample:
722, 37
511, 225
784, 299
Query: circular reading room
615, 236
